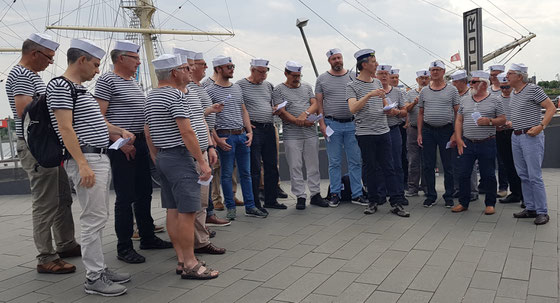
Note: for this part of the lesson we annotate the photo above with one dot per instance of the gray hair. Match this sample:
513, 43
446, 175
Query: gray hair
485, 81
29, 46
524, 75
73, 54
116, 53
163, 74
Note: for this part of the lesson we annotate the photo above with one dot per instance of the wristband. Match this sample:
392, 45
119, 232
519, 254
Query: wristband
210, 146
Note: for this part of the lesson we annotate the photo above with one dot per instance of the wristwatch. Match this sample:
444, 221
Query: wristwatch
210, 146
307, 113
543, 126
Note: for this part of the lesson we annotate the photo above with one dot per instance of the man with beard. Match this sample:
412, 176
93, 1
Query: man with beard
331, 100
494, 89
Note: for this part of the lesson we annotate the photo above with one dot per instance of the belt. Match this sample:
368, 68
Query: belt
340, 120
238, 131
518, 132
262, 125
87, 149
436, 127
481, 140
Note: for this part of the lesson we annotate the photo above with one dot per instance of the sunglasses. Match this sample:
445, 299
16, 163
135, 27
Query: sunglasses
230, 67
51, 59
473, 82
505, 86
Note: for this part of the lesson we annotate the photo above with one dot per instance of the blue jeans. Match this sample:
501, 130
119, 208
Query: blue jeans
344, 138
432, 138
485, 153
241, 154
528, 154
396, 153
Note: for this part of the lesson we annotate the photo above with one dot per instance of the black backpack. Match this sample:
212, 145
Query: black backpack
39, 133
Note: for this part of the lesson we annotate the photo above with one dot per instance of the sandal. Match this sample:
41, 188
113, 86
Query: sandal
182, 266
193, 273
131, 256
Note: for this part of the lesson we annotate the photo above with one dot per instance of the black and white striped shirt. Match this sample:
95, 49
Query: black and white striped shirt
525, 106
395, 95
205, 101
333, 89
413, 114
370, 120
489, 107
258, 100
231, 117
163, 106
299, 100
438, 104
126, 101
89, 124
506, 101
197, 119
22, 81
491, 91
207, 82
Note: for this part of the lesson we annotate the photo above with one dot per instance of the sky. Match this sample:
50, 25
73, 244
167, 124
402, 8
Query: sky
266, 29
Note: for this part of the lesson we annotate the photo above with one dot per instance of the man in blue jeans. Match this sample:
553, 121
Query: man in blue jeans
331, 99
233, 136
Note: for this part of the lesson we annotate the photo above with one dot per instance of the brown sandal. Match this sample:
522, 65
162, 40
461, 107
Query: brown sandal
194, 275
182, 266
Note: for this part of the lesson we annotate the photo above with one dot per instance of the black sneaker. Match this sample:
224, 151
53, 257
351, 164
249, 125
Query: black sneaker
130, 256
525, 214
449, 203
281, 193
334, 200
360, 201
262, 209
542, 219
255, 212
474, 197
371, 209
404, 201
399, 211
429, 203
317, 200
300, 203
155, 243
275, 205
511, 198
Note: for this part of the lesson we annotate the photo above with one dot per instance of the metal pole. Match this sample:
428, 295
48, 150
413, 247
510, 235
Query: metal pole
308, 51
11, 143
144, 13
2, 148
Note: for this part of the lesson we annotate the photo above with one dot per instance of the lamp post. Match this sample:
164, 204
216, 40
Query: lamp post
300, 23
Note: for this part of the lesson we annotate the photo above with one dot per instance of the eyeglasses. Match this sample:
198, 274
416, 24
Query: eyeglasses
137, 58
262, 72
184, 68
473, 82
230, 67
201, 64
51, 59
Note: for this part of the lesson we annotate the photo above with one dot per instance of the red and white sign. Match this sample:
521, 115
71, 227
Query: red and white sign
456, 57
4, 123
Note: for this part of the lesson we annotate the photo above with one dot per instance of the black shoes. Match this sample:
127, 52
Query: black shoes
399, 211
449, 203
131, 256
474, 197
525, 214
404, 201
429, 203
511, 198
275, 205
317, 200
334, 201
361, 200
542, 219
155, 243
281, 193
300, 203
371, 209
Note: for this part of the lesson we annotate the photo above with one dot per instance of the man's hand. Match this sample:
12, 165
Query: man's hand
87, 176
205, 171
223, 144
460, 146
453, 140
483, 121
393, 112
308, 123
419, 140
377, 93
129, 151
323, 127
535, 130
212, 156
249, 139
126, 135
217, 108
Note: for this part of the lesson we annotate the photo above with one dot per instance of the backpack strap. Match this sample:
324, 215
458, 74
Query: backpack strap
73, 93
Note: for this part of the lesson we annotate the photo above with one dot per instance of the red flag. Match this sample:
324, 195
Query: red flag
456, 57
4, 123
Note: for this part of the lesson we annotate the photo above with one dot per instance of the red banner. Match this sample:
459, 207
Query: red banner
4, 123
456, 57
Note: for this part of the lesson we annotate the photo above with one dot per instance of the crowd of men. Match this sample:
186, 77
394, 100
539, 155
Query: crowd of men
186, 126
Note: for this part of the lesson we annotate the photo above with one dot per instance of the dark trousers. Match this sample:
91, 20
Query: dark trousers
395, 151
404, 154
502, 173
263, 148
503, 141
485, 153
432, 138
133, 188
376, 150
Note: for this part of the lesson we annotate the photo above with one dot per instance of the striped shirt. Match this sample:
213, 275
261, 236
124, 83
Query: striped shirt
205, 101
193, 103
507, 106
258, 100
333, 89
126, 101
413, 114
489, 107
207, 82
491, 91
89, 124
22, 81
370, 120
395, 95
163, 106
231, 117
438, 104
525, 106
299, 100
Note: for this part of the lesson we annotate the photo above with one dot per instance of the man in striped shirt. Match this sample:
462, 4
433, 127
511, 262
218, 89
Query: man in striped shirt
527, 141
394, 82
475, 127
122, 103
366, 100
331, 100
233, 136
494, 89
84, 133
438, 103
50, 189
257, 95
300, 134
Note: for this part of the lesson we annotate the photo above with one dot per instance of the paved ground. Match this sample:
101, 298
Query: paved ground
322, 255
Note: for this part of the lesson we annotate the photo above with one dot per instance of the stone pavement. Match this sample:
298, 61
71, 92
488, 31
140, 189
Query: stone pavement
321, 255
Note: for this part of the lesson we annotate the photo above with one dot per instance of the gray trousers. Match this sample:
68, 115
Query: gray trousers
95, 211
201, 235
298, 151
51, 206
414, 160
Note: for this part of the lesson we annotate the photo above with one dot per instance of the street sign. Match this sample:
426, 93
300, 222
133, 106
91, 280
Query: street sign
472, 33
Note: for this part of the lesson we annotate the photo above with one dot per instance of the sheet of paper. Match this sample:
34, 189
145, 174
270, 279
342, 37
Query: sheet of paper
476, 116
314, 117
228, 97
119, 143
329, 133
390, 106
283, 104
448, 145
207, 182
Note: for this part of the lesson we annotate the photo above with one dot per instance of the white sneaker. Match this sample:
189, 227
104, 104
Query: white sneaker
104, 287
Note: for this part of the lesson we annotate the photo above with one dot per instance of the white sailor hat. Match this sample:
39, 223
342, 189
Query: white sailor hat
459, 75
386, 68
293, 66
221, 60
422, 72
333, 52
502, 77
181, 51
127, 46
363, 53
198, 56
480, 74
88, 47
499, 67
190, 55
259, 62
44, 40
167, 61
519, 67
395, 71
437, 63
